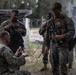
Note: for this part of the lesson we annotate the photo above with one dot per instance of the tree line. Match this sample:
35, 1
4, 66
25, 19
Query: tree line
39, 7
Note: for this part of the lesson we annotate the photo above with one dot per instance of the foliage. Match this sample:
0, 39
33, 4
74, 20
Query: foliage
40, 9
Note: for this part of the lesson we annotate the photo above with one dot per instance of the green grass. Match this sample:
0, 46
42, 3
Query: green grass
33, 63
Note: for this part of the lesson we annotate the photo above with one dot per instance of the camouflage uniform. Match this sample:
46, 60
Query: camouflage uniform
16, 33
59, 51
70, 58
42, 31
8, 60
71, 53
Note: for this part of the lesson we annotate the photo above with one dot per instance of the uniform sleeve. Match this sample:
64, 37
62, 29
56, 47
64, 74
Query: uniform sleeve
13, 60
70, 30
3, 25
42, 29
47, 37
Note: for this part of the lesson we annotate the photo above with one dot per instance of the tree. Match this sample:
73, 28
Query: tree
44, 6
39, 9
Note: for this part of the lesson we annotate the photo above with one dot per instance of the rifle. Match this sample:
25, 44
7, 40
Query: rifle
55, 31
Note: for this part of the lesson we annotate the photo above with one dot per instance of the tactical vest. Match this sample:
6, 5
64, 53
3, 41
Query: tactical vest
16, 39
64, 29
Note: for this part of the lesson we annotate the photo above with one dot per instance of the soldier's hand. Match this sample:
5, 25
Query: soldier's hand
25, 54
59, 37
19, 51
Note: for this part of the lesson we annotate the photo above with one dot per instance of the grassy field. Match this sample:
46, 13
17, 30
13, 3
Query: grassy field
34, 62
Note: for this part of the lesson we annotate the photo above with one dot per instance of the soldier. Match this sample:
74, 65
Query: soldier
8, 59
16, 30
42, 31
61, 30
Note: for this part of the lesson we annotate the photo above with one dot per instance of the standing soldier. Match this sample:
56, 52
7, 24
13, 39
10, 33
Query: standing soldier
61, 29
42, 31
8, 59
16, 30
